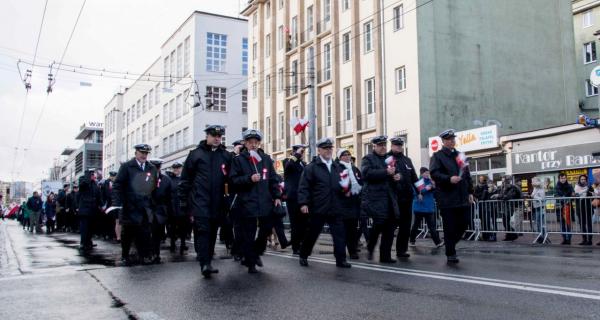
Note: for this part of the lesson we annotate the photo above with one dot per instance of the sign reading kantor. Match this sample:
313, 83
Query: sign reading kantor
555, 159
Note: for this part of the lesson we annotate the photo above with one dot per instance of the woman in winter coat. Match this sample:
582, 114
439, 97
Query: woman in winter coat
424, 209
351, 204
563, 212
50, 212
584, 209
538, 195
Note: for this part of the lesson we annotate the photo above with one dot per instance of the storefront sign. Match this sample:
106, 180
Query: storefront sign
469, 140
556, 159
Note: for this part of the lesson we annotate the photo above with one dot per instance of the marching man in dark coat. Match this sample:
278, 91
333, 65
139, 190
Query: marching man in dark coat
163, 196
178, 222
202, 192
257, 189
89, 203
454, 192
379, 200
323, 186
292, 170
133, 193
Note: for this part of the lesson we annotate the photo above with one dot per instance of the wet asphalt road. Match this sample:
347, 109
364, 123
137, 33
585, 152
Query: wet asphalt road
45, 277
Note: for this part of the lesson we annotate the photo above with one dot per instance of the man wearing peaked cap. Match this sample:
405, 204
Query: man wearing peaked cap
404, 179
454, 192
292, 170
133, 193
379, 201
111, 227
257, 187
202, 193
163, 208
178, 223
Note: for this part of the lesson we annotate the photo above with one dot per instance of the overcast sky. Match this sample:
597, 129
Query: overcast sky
113, 34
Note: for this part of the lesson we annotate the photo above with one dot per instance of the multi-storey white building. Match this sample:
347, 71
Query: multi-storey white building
200, 79
586, 25
408, 67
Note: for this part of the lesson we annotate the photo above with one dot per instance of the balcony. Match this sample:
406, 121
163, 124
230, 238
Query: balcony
344, 127
324, 131
367, 121
323, 26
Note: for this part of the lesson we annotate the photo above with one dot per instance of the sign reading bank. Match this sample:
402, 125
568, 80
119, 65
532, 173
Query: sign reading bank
556, 159
469, 140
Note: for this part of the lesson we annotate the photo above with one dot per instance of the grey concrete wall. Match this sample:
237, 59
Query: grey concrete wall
507, 60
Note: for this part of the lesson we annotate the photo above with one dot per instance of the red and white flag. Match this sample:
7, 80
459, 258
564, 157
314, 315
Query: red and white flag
255, 157
420, 185
298, 125
345, 180
390, 161
223, 169
461, 161
281, 186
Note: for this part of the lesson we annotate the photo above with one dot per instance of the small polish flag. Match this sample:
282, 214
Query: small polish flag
345, 180
255, 157
298, 125
223, 169
281, 186
420, 185
390, 161
461, 161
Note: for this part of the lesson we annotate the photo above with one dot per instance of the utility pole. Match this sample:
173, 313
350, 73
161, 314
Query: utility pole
312, 128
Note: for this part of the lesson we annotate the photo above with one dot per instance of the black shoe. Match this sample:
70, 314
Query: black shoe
303, 262
156, 260
252, 270
403, 255
259, 262
127, 261
589, 243
453, 259
354, 256
566, 242
284, 245
389, 260
370, 255
172, 246
343, 264
296, 252
583, 243
237, 258
206, 271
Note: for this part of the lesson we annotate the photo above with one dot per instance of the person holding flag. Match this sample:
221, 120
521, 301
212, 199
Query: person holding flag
404, 189
379, 202
351, 204
454, 193
324, 185
255, 180
292, 170
424, 208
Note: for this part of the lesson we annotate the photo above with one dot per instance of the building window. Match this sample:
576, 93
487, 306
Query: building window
166, 73
296, 112
179, 61
348, 103
370, 95
345, 5
245, 56
268, 46
172, 143
186, 136
268, 129
254, 51
254, 125
165, 114
144, 131
327, 110
244, 101
157, 94
150, 129
216, 52
280, 38
255, 19
326, 10
156, 122
185, 106
589, 52
280, 79
327, 62
268, 86
346, 47
281, 4
590, 90
294, 35
172, 67
294, 83
254, 89
178, 140
166, 145
281, 123
138, 109
150, 99
268, 10
171, 110
144, 104
368, 36
309, 19
186, 56
398, 17
400, 79
216, 99
587, 19
178, 107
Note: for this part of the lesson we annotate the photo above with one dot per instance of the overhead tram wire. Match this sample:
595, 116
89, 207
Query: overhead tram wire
37, 43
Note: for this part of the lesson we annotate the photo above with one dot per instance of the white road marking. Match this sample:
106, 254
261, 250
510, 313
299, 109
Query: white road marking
516, 285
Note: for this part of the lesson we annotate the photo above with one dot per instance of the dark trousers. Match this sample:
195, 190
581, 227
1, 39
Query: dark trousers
403, 226
178, 228
352, 235
584, 214
280, 231
253, 245
455, 222
226, 231
336, 227
385, 228
138, 234
158, 233
49, 225
205, 237
84, 231
429, 218
60, 219
236, 247
364, 229
298, 224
